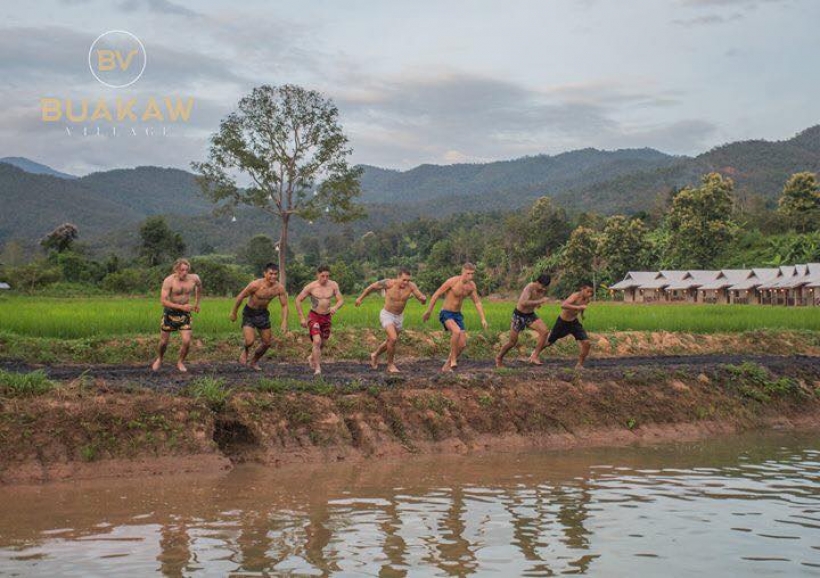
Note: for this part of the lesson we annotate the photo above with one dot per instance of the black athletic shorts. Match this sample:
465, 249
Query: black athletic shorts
175, 320
520, 321
256, 318
563, 328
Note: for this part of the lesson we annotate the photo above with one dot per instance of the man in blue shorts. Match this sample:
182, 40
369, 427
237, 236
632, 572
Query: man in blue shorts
456, 290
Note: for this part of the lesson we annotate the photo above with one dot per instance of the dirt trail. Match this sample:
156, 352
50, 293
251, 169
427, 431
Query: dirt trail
415, 371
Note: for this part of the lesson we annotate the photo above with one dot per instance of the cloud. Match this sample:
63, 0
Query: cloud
747, 4
680, 137
456, 117
157, 6
740, 6
706, 20
57, 56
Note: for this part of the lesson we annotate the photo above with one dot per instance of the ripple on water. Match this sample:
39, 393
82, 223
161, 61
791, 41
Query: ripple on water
534, 515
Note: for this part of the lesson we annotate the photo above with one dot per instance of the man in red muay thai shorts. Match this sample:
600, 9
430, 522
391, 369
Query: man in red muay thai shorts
321, 293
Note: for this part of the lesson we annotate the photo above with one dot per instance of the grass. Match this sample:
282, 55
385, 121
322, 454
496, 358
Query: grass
756, 382
95, 317
211, 390
24, 384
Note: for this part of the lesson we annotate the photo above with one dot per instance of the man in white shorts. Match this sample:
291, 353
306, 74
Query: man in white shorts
396, 294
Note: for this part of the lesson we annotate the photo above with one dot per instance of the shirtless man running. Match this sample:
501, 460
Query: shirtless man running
568, 323
255, 314
321, 292
175, 297
532, 297
396, 294
456, 289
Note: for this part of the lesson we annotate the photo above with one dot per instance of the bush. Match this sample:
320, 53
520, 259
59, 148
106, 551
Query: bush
77, 268
218, 278
33, 276
133, 281
299, 275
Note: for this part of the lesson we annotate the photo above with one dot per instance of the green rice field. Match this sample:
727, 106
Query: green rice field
69, 318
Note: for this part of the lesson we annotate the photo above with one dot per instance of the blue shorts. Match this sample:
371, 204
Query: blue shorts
456, 316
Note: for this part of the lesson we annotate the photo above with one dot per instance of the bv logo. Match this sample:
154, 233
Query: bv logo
117, 59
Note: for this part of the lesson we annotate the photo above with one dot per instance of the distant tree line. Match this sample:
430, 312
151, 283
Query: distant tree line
703, 227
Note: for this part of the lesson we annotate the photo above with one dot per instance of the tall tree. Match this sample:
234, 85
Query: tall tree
579, 260
288, 141
700, 223
548, 227
159, 242
623, 246
61, 238
800, 201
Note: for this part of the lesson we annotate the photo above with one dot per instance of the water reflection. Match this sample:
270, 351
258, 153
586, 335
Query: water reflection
744, 505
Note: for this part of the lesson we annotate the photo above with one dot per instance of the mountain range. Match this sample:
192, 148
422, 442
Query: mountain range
107, 206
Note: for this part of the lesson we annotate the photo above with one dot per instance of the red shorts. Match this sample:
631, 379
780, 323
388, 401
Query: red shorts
319, 324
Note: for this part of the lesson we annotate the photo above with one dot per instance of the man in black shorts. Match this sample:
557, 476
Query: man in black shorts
255, 315
568, 323
532, 297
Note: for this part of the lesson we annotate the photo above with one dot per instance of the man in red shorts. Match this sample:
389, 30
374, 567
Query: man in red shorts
321, 292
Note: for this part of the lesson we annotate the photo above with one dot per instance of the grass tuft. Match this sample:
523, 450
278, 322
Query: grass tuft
24, 384
211, 390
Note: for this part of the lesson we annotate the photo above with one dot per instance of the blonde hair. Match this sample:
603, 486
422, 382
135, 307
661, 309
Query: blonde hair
468, 267
179, 262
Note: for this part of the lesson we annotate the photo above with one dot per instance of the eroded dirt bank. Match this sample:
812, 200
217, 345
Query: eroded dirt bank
123, 421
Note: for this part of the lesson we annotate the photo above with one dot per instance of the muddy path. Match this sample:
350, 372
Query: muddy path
416, 372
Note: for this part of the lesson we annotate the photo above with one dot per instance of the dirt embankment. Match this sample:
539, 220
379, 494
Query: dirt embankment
111, 423
356, 344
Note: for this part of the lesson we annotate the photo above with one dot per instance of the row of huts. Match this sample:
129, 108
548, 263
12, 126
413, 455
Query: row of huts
785, 285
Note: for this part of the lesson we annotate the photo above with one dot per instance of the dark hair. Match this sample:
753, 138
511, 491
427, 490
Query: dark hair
271, 267
322, 269
545, 279
404, 271
585, 283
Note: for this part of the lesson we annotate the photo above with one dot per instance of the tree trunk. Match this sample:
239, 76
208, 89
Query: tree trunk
283, 249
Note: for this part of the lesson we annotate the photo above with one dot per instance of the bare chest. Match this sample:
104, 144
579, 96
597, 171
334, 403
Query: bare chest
180, 288
462, 290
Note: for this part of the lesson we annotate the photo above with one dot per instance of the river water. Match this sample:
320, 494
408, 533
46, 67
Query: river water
740, 506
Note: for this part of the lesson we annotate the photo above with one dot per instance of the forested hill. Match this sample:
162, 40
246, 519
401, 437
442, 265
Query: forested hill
33, 167
98, 203
607, 182
505, 183
757, 167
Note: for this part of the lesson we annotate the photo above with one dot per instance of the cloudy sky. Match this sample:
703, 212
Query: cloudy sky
425, 81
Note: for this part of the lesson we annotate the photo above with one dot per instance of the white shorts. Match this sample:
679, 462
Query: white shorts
388, 318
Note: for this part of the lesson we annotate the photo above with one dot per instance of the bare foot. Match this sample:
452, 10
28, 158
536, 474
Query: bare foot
454, 364
374, 361
534, 361
446, 368
499, 362
391, 368
181, 367
255, 366
156, 364
310, 361
317, 371
243, 357
579, 367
